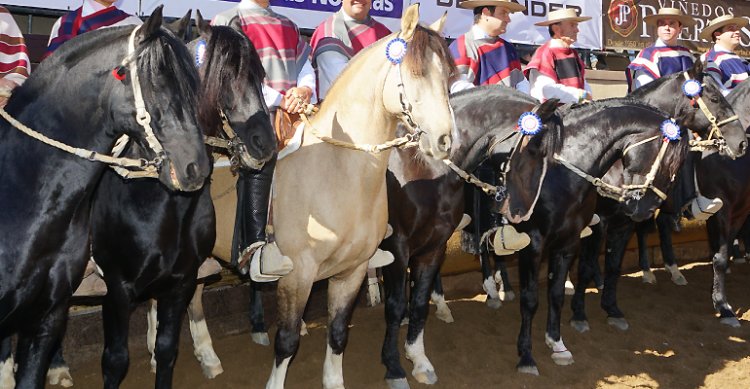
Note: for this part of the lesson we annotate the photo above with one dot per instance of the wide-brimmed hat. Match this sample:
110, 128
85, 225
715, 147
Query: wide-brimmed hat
720, 22
562, 15
511, 5
670, 13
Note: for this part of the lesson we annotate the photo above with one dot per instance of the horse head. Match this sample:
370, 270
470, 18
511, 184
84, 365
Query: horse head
416, 87
708, 113
527, 167
231, 91
154, 103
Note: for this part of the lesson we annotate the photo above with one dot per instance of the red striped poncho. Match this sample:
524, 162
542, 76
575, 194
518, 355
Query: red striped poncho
14, 58
562, 64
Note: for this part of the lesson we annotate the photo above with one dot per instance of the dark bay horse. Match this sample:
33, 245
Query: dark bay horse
425, 198
596, 135
46, 194
666, 94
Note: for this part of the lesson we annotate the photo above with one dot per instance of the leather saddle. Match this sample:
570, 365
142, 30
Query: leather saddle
285, 125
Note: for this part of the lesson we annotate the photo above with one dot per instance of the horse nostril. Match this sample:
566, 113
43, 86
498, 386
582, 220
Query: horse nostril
444, 143
192, 171
257, 143
743, 147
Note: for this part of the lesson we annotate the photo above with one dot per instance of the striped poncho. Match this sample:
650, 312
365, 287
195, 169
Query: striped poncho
14, 58
487, 61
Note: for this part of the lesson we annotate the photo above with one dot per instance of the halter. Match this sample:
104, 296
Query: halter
625, 192
406, 117
234, 145
128, 166
715, 138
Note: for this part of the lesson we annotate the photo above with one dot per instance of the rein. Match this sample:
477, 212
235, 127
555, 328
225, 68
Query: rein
625, 192
139, 166
715, 138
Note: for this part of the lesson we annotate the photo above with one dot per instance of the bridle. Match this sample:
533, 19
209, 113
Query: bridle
238, 154
715, 137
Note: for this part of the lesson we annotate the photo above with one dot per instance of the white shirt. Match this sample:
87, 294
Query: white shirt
545, 88
306, 76
462, 82
90, 7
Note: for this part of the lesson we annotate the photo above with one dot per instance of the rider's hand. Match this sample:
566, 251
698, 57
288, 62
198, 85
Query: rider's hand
296, 99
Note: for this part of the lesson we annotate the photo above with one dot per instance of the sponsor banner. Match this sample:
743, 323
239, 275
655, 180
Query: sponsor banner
624, 27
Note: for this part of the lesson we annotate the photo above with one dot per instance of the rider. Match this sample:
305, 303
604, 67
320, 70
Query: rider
289, 86
334, 43
92, 15
484, 58
15, 58
666, 57
556, 70
722, 63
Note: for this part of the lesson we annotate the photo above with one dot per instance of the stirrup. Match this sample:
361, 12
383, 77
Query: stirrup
266, 263
705, 211
595, 220
508, 240
379, 259
465, 220
587, 231
91, 286
209, 267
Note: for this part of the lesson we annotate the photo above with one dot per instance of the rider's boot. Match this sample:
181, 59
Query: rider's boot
700, 207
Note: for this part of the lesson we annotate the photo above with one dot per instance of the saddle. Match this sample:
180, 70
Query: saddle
285, 125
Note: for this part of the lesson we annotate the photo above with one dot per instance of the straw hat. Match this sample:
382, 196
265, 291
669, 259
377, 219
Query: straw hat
670, 13
562, 15
720, 22
511, 5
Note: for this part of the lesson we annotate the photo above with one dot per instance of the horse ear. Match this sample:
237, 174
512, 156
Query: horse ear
152, 25
236, 24
410, 21
180, 27
696, 72
204, 27
439, 24
546, 109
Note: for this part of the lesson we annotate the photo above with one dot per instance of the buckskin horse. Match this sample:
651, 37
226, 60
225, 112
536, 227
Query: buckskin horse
329, 204
46, 192
666, 94
605, 130
425, 205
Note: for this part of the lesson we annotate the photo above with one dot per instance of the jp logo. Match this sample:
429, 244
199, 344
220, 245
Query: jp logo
623, 17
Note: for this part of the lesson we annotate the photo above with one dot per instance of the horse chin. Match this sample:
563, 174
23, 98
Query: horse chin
636, 213
250, 162
513, 217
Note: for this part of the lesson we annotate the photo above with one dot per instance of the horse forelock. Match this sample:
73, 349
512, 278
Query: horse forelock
424, 42
231, 63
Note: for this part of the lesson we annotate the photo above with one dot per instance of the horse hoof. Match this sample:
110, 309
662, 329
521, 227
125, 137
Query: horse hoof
425, 377
618, 322
649, 277
405, 322
679, 280
564, 358
261, 338
444, 315
507, 296
580, 325
494, 303
398, 383
528, 370
60, 376
730, 321
212, 371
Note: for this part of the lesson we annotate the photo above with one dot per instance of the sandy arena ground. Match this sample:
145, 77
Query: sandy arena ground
674, 341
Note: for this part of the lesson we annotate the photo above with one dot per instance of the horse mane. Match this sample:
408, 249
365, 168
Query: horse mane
231, 63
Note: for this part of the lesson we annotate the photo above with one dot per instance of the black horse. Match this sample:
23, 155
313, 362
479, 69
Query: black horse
616, 228
425, 205
596, 135
75, 97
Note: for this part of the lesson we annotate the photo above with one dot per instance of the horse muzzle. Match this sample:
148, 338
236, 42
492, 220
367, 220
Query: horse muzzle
438, 148
190, 181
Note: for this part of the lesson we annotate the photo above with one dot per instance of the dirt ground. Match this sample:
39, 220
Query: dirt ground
674, 341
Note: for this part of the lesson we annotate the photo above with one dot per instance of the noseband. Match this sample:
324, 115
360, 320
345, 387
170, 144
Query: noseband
715, 138
234, 145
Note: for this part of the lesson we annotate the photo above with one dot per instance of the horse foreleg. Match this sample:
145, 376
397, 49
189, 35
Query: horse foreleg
394, 282
423, 272
7, 371
559, 265
720, 238
617, 240
170, 313
59, 372
443, 312
488, 280
528, 270
35, 348
202, 346
257, 319
641, 231
342, 294
153, 323
505, 289
664, 225
590, 249
116, 317
292, 295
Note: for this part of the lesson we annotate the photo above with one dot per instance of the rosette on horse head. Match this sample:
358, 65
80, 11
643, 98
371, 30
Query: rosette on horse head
48, 181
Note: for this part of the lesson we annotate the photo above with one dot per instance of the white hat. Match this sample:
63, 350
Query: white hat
670, 13
720, 22
562, 15
511, 5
